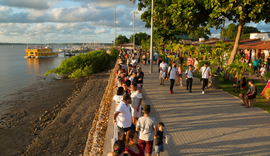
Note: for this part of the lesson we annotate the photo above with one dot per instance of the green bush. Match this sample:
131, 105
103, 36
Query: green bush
83, 65
114, 53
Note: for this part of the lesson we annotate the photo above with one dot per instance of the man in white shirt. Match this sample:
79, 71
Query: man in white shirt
205, 70
124, 122
172, 71
134, 62
163, 67
189, 76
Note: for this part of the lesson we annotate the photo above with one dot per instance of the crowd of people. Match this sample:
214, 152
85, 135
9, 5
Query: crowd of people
136, 130
259, 64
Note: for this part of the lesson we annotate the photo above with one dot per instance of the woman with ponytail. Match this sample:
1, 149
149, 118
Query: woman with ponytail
131, 140
118, 149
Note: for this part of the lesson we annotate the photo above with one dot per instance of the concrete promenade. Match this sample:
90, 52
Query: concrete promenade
209, 124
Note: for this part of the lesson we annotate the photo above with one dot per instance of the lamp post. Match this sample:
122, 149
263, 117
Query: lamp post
134, 12
151, 40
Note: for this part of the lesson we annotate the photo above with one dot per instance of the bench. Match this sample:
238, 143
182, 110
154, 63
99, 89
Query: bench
251, 102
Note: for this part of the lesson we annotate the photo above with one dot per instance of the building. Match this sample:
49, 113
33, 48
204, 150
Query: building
264, 36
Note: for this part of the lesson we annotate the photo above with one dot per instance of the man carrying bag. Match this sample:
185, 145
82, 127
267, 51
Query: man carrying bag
205, 70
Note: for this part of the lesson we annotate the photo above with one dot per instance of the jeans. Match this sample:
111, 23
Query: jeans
172, 84
205, 83
268, 65
189, 83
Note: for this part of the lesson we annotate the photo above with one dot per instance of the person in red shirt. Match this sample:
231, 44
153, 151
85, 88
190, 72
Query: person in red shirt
131, 140
119, 71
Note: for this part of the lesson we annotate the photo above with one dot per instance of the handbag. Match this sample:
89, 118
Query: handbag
203, 73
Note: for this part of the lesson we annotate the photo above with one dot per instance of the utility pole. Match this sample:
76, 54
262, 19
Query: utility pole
114, 26
151, 42
134, 33
133, 12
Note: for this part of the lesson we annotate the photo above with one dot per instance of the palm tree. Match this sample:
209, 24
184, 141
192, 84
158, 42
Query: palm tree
221, 48
238, 68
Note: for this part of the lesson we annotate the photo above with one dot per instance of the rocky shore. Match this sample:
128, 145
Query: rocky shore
50, 118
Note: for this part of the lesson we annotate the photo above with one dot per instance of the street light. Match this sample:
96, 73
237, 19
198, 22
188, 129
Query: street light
134, 12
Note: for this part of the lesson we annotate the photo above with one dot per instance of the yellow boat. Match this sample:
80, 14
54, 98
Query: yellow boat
40, 52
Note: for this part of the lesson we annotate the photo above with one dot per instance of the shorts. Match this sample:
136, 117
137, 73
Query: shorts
134, 112
180, 75
146, 145
162, 75
123, 130
155, 59
249, 96
159, 148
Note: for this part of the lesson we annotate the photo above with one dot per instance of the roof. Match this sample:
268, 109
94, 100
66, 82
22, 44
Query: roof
259, 32
265, 45
127, 45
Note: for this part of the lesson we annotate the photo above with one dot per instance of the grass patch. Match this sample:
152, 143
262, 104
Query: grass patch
261, 101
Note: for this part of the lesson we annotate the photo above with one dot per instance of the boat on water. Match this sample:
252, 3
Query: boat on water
40, 52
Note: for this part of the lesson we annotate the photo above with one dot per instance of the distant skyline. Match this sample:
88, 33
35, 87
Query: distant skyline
60, 21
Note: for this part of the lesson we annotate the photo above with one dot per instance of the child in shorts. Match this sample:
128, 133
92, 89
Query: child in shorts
159, 147
147, 127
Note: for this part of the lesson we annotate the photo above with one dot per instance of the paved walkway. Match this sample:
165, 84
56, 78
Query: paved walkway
209, 124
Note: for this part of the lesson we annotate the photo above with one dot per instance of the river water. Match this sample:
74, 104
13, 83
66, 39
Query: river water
17, 72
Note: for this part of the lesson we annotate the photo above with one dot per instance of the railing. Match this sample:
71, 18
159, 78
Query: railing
115, 135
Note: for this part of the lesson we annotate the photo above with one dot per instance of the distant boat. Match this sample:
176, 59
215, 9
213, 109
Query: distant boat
12, 46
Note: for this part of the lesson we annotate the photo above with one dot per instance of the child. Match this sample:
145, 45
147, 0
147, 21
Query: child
147, 126
159, 147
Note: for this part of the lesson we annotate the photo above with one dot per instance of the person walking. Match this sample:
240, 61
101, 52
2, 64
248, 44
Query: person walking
190, 60
179, 74
205, 70
256, 65
172, 71
189, 77
163, 68
159, 62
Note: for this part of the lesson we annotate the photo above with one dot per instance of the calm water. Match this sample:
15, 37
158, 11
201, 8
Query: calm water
17, 72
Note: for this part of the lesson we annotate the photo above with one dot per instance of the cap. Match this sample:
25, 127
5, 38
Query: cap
139, 68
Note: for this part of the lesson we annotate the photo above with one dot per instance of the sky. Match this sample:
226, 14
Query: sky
62, 21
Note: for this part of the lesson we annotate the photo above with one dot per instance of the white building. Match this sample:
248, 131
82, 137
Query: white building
264, 36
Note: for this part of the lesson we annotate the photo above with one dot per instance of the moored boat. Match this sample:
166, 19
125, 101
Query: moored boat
39, 52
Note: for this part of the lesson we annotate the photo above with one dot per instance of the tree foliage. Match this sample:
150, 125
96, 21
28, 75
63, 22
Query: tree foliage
139, 37
186, 16
229, 32
121, 40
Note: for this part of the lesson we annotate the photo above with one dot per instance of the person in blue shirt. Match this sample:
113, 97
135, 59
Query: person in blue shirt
256, 64
155, 57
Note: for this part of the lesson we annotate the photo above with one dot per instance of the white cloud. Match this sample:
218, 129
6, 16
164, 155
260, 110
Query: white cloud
101, 31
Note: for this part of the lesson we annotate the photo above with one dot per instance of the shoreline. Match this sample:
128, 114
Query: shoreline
33, 113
